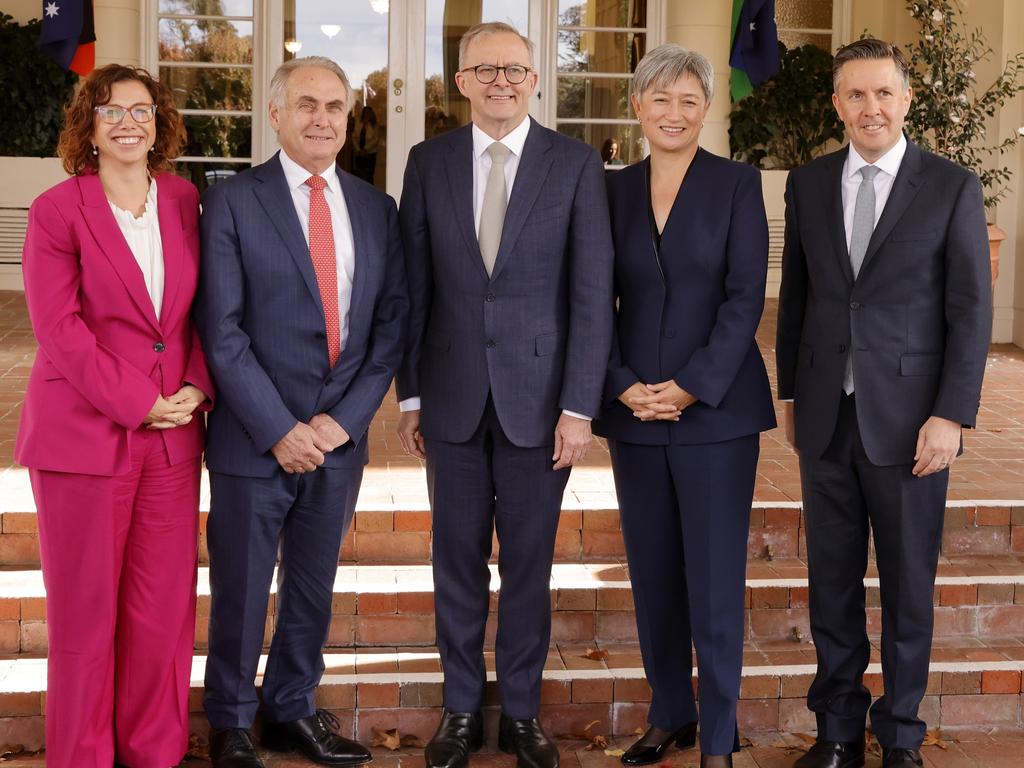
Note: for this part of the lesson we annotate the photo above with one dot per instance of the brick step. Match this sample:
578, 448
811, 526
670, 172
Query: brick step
587, 535
393, 605
972, 683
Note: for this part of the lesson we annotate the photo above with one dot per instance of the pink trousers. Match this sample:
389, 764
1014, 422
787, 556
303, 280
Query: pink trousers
119, 564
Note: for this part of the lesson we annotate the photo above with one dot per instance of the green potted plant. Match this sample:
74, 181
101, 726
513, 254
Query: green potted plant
950, 110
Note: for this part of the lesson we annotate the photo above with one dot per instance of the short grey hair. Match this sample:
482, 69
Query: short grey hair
491, 28
279, 83
663, 65
870, 48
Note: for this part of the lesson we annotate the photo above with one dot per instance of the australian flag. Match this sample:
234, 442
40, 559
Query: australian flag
69, 34
755, 45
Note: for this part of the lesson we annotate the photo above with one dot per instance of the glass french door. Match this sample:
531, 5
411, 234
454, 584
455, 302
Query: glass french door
400, 57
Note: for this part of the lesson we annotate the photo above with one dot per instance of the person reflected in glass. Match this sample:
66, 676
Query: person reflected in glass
110, 431
686, 396
610, 152
366, 144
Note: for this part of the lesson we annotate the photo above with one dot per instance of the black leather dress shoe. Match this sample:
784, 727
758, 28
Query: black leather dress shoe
233, 748
458, 734
650, 749
317, 738
901, 758
527, 740
833, 754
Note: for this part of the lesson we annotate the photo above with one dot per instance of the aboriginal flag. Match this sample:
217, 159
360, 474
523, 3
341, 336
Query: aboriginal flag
69, 34
755, 45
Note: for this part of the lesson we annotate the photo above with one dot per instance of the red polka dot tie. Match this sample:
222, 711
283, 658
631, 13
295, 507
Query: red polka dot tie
321, 251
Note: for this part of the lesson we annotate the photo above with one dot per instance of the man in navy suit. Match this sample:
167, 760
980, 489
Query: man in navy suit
303, 305
508, 254
885, 315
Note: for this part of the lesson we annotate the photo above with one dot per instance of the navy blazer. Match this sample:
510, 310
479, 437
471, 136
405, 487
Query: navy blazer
536, 333
918, 318
260, 316
688, 311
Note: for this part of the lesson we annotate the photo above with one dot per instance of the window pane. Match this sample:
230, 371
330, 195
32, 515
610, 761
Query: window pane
602, 13
796, 39
212, 40
207, 7
803, 14
209, 88
203, 175
589, 97
210, 136
600, 51
627, 136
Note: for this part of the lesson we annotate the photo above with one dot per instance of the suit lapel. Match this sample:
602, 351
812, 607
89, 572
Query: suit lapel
276, 199
355, 202
460, 184
169, 212
904, 189
832, 195
533, 169
101, 222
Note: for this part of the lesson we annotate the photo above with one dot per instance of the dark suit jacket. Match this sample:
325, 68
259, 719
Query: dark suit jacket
918, 319
535, 334
691, 314
259, 311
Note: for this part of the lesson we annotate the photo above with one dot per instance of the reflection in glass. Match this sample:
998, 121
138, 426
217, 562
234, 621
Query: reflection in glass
358, 42
217, 136
628, 136
594, 97
599, 51
796, 39
207, 40
447, 21
600, 13
207, 7
803, 14
203, 175
209, 87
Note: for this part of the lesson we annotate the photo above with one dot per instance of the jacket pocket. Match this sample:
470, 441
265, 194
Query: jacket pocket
545, 344
50, 372
920, 365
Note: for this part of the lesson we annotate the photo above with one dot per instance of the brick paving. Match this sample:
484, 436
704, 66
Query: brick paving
992, 467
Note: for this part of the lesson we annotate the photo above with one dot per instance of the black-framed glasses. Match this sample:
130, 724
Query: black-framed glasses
488, 73
114, 113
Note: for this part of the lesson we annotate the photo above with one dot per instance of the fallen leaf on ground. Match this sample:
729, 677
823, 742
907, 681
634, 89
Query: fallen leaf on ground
198, 747
615, 752
933, 738
745, 742
391, 739
796, 635
596, 654
595, 741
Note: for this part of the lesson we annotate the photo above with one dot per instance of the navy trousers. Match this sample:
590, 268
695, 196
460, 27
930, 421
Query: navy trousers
483, 485
306, 516
846, 499
685, 513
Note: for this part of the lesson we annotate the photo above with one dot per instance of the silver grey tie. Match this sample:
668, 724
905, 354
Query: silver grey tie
492, 215
860, 236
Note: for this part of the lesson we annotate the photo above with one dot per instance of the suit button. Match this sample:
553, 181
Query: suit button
489, 297
842, 348
159, 347
670, 333
854, 305
321, 335
491, 344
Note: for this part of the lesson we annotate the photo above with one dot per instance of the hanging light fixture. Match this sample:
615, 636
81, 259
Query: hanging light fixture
293, 46
380, 6
330, 30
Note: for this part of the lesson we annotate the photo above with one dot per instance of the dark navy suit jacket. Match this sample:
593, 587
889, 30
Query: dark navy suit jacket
690, 314
260, 314
536, 333
918, 318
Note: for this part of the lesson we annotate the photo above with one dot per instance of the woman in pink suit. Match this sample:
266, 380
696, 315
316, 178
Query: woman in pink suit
109, 429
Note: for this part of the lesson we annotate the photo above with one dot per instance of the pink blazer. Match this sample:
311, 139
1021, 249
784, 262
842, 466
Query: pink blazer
103, 354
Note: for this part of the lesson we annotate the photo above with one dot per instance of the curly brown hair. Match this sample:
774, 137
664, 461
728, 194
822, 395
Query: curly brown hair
75, 144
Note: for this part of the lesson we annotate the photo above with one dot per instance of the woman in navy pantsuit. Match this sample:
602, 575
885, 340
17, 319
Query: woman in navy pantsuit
685, 398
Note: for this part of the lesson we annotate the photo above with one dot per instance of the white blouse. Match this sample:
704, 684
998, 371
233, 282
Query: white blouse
143, 237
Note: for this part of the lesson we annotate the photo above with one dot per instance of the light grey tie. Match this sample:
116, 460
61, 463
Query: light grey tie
492, 215
860, 236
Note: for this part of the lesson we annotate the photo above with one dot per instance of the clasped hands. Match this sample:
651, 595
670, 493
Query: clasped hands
304, 447
175, 410
657, 402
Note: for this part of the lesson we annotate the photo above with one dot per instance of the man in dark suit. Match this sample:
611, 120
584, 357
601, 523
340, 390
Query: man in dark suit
303, 306
884, 322
509, 259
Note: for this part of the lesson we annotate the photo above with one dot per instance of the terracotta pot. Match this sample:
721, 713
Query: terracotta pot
996, 235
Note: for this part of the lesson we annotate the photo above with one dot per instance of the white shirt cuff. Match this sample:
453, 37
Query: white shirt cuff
576, 415
409, 404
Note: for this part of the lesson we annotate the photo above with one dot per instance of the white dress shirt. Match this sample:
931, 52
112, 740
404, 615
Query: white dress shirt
888, 166
143, 237
344, 245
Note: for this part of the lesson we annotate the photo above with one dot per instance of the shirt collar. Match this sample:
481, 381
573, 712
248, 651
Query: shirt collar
888, 163
296, 175
514, 140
